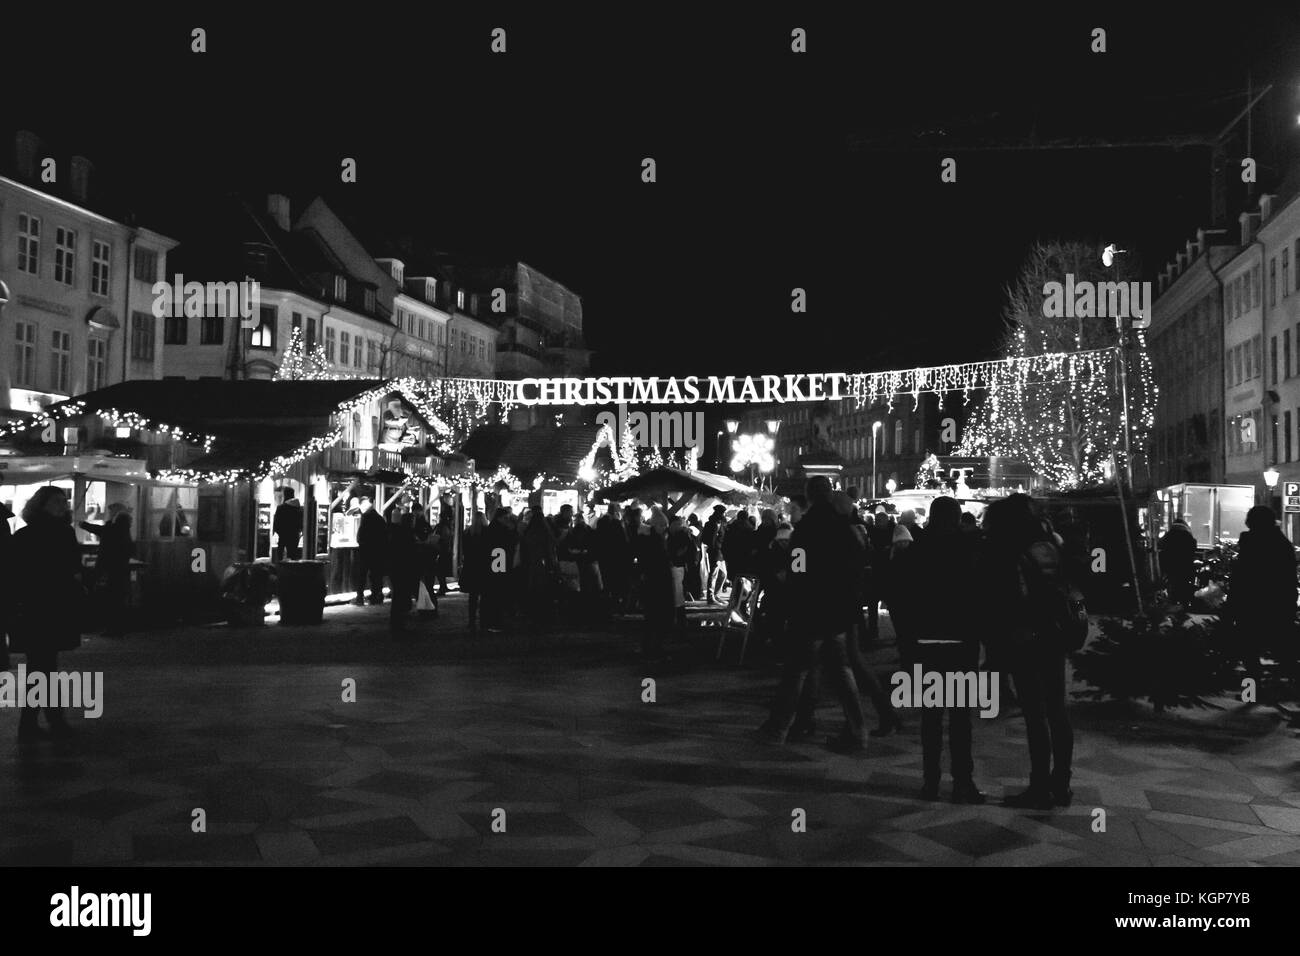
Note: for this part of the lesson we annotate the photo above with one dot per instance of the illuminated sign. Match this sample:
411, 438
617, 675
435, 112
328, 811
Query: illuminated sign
768, 389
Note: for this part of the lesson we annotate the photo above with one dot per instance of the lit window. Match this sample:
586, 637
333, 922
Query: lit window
460, 299
340, 289
263, 335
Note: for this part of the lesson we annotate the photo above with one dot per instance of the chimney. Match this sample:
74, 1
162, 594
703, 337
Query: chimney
27, 150
1249, 223
1266, 206
1193, 249
1182, 262
79, 178
277, 206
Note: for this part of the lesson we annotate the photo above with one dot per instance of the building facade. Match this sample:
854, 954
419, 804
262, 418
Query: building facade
1279, 242
1186, 350
75, 285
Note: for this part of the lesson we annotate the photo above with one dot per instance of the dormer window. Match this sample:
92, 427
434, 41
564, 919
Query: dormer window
431, 290
460, 299
340, 289
369, 298
398, 271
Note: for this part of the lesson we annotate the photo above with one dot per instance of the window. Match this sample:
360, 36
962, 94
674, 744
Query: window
176, 329
368, 299
1245, 287
142, 336
212, 330
146, 265
440, 334
25, 354
99, 262
1286, 424
1275, 444
482, 348
1259, 355
172, 512
460, 299
1227, 302
29, 244
1273, 356
1286, 353
1241, 298
65, 255
1257, 284
1272, 282
1296, 257
340, 289
1286, 273
96, 363
898, 438
1236, 365
262, 336
343, 348
311, 332
356, 353
329, 344
60, 361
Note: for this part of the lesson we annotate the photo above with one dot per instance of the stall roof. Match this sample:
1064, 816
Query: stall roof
541, 450
661, 481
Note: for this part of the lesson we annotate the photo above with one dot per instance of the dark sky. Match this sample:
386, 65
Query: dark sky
536, 154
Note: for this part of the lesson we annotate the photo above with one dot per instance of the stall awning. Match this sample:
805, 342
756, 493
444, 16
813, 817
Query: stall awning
26, 470
658, 484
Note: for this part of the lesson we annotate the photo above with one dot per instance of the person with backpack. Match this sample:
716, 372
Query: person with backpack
1038, 615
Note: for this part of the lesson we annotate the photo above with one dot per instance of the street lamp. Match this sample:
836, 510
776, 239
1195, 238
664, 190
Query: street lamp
1270, 479
875, 430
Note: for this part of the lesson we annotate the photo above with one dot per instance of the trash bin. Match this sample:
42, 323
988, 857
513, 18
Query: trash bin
301, 587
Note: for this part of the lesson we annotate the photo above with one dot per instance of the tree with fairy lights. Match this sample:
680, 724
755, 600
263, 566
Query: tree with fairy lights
299, 364
1065, 420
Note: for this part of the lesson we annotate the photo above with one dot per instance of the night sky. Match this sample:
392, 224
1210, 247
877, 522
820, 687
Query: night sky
536, 154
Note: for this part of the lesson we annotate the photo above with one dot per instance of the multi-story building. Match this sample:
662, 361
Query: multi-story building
1186, 350
1245, 283
537, 321
315, 277
1278, 239
75, 285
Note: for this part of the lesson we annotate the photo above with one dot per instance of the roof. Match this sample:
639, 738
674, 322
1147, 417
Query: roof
660, 482
541, 450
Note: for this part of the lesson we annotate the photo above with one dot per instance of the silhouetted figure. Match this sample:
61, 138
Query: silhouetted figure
372, 548
287, 526
1178, 563
113, 565
1262, 592
403, 569
49, 597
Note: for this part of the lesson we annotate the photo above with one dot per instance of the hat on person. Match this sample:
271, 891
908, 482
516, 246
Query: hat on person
719, 509
901, 534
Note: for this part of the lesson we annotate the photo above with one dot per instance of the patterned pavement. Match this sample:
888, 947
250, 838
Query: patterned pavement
250, 727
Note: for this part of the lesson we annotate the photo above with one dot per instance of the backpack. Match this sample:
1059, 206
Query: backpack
1058, 612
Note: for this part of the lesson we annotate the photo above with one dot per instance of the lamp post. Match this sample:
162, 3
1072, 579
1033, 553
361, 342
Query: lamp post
1270, 479
875, 430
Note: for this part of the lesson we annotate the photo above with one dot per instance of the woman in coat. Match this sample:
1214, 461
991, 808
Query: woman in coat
113, 565
49, 598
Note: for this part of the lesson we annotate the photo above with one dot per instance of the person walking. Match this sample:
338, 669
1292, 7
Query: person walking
1262, 593
947, 642
1178, 562
287, 526
825, 606
48, 598
1023, 569
372, 548
711, 541
446, 544
738, 553
657, 592
113, 566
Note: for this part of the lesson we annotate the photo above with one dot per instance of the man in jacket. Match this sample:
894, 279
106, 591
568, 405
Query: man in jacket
1178, 561
287, 526
1262, 591
372, 548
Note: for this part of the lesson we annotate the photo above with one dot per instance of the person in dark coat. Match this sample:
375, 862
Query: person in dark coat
426, 552
946, 638
540, 563
113, 565
1262, 591
493, 568
650, 546
48, 598
738, 552
446, 535
372, 548
613, 554
1022, 561
825, 605
475, 566
403, 569
287, 526
1178, 562
711, 542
